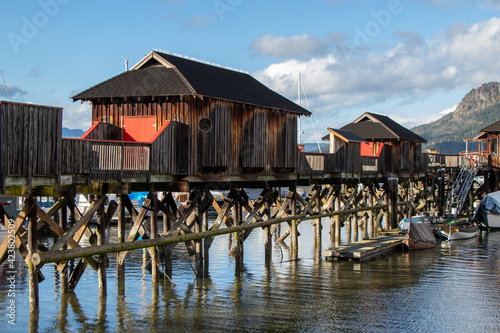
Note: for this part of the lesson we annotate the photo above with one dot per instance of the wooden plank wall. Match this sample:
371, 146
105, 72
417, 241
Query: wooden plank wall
213, 145
243, 139
105, 131
168, 150
30, 139
75, 156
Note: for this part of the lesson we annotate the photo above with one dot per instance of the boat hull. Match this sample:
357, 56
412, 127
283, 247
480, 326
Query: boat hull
492, 221
419, 236
456, 232
418, 245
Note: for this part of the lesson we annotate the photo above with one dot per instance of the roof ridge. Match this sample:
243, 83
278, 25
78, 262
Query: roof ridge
183, 78
176, 70
201, 61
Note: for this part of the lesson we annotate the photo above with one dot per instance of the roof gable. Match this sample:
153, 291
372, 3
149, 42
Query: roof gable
161, 74
344, 135
371, 126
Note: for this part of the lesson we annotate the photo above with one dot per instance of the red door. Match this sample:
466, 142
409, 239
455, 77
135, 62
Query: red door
138, 129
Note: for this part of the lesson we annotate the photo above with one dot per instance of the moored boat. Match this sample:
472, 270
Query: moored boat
492, 220
404, 224
420, 236
488, 212
455, 231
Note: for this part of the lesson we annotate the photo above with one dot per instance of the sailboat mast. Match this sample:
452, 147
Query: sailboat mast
300, 101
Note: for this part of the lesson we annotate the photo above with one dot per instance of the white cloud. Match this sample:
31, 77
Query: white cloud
448, 110
77, 115
492, 3
285, 47
14, 91
461, 58
198, 22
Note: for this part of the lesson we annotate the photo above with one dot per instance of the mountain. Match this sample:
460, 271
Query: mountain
478, 109
72, 133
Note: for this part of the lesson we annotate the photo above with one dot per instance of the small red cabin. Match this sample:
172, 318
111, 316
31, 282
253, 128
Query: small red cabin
398, 148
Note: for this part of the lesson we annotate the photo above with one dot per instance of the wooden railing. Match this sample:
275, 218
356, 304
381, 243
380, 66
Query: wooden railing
433, 161
119, 160
106, 160
318, 164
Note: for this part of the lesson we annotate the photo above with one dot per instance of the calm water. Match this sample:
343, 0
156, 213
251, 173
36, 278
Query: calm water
451, 288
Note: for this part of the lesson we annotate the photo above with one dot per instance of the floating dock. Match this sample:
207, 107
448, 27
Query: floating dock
364, 249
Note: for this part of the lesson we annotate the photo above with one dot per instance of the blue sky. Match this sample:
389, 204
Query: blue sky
407, 59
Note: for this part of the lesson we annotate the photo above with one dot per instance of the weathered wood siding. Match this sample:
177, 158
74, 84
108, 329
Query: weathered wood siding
75, 156
105, 131
243, 139
30, 139
167, 151
407, 156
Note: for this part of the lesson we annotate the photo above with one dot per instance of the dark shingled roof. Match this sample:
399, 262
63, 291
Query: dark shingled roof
372, 126
495, 127
347, 135
160, 74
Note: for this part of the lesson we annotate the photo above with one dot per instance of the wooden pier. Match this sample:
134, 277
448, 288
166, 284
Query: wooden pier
174, 125
365, 249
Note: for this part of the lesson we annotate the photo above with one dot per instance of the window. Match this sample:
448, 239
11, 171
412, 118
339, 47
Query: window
205, 124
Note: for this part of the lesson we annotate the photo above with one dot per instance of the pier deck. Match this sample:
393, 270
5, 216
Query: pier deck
364, 249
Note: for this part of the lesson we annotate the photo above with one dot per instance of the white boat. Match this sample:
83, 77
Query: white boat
488, 212
492, 220
404, 224
455, 231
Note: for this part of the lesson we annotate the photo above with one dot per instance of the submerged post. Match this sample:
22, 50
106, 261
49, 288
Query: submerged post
294, 248
372, 213
167, 251
238, 243
33, 270
441, 191
63, 223
154, 233
101, 235
392, 190
268, 245
198, 257
120, 267
317, 231
206, 251
337, 220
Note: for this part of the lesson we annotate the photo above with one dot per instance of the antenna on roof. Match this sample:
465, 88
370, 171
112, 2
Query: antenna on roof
5, 84
126, 63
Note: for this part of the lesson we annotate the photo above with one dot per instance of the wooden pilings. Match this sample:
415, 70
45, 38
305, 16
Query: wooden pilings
357, 208
101, 240
33, 269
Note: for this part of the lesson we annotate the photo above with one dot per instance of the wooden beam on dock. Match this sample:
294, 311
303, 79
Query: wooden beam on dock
55, 256
364, 249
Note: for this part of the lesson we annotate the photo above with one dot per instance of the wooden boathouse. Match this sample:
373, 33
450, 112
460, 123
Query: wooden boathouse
201, 120
173, 124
